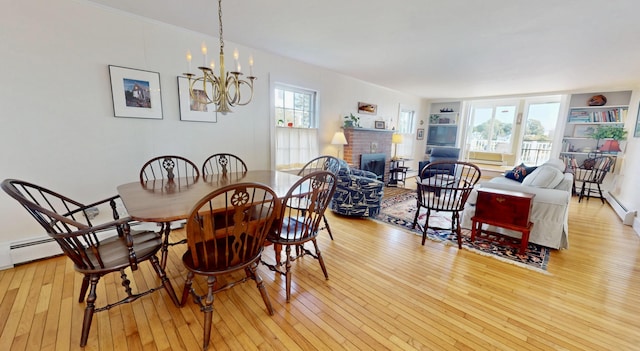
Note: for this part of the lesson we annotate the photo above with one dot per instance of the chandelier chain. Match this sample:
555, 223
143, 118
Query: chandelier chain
220, 22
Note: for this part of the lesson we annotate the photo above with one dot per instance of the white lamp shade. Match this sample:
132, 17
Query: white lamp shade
396, 138
339, 139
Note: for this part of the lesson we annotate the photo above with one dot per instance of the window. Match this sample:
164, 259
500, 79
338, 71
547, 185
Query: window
491, 126
540, 124
296, 126
406, 127
295, 107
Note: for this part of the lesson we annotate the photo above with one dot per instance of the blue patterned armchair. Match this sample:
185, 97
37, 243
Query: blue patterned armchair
358, 193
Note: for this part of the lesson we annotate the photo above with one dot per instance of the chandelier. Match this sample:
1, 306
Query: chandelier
224, 90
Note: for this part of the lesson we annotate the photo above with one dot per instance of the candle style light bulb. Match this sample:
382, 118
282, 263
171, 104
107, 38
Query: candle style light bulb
236, 55
204, 52
251, 65
239, 69
189, 61
212, 65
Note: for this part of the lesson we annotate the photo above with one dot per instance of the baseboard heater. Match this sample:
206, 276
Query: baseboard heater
45, 247
627, 216
34, 249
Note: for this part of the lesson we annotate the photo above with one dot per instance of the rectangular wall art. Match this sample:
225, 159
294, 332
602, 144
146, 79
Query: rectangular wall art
193, 109
367, 108
135, 93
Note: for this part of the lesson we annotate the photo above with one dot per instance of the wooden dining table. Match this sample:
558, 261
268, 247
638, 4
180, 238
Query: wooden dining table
165, 201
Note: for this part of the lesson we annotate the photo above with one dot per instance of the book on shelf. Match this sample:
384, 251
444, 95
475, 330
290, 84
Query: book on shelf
613, 115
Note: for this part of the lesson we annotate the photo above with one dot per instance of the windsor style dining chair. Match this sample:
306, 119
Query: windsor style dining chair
96, 249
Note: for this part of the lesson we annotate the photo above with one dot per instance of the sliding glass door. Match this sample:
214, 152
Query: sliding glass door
540, 122
491, 126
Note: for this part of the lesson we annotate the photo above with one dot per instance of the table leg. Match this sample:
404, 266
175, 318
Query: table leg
165, 230
524, 241
474, 225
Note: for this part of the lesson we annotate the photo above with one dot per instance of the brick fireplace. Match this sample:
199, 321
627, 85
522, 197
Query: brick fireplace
367, 141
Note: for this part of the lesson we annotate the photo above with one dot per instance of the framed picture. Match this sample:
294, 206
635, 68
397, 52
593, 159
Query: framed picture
636, 132
583, 131
379, 125
367, 108
135, 93
420, 134
192, 109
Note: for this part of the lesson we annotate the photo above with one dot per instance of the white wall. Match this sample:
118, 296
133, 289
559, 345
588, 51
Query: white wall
626, 187
58, 128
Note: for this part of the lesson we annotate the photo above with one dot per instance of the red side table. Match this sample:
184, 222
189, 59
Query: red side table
506, 209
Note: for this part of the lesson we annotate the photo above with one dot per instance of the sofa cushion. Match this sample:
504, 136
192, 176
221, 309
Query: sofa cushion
545, 176
557, 163
518, 173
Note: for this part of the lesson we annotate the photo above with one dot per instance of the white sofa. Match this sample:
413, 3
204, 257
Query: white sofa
550, 211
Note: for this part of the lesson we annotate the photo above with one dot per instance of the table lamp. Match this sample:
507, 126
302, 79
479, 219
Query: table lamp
396, 139
339, 139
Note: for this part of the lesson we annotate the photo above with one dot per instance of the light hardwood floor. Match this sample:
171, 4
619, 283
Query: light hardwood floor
385, 291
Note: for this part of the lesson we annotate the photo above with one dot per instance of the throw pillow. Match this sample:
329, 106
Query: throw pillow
544, 177
519, 172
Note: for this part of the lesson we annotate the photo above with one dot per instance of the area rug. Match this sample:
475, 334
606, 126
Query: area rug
399, 210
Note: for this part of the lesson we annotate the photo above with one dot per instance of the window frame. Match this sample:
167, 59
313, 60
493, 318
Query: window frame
493, 104
293, 146
312, 110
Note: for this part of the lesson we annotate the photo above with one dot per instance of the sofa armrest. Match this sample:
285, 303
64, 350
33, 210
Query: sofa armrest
361, 173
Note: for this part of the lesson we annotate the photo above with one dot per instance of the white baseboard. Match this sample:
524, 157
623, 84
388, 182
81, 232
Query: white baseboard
39, 247
636, 226
5, 257
33, 249
626, 215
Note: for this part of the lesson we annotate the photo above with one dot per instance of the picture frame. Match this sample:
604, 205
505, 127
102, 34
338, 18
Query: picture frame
135, 93
420, 134
379, 125
367, 108
636, 131
583, 130
191, 110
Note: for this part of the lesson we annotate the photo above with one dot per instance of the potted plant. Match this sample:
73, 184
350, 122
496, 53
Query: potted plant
351, 121
613, 134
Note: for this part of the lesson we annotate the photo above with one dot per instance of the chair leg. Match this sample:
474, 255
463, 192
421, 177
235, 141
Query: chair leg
277, 248
582, 190
83, 288
187, 288
426, 227
89, 310
415, 218
600, 192
455, 223
287, 273
208, 312
320, 259
326, 225
253, 274
166, 283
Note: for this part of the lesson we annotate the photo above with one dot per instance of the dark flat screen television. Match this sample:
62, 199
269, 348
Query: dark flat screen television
442, 135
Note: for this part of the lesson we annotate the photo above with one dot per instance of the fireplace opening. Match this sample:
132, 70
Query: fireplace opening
374, 163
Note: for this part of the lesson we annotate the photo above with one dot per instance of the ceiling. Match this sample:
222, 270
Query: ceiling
433, 48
